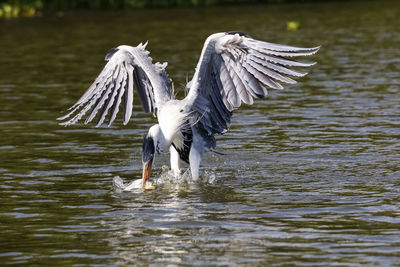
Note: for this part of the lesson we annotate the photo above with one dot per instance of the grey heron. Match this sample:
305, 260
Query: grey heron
233, 68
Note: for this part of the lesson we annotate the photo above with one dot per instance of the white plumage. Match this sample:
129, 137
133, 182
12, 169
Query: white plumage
173, 120
233, 68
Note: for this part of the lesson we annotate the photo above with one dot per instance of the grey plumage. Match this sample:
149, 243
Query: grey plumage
233, 69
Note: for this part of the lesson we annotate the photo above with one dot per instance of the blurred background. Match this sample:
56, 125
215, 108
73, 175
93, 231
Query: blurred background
29, 8
310, 175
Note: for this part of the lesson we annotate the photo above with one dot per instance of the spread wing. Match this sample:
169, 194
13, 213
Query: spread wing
127, 67
234, 68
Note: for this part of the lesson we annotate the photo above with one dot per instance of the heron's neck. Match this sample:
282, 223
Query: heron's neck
164, 142
159, 138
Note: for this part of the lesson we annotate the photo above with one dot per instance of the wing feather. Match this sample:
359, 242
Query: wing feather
104, 96
91, 101
229, 87
255, 88
99, 83
279, 60
128, 96
271, 73
248, 80
111, 99
236, 78
279, 68
262, 77
115, 108
219, 85
143, 86
277, 47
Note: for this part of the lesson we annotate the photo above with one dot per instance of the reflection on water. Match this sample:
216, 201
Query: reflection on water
311, 175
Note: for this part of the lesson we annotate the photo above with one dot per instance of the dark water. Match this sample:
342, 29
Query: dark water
311, 175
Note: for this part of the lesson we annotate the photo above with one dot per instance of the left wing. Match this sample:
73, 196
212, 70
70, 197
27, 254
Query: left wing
234, 68
127, 67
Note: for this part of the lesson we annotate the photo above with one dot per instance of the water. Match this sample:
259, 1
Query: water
311, 175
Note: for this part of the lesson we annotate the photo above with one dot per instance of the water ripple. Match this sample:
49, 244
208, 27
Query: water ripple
310, 175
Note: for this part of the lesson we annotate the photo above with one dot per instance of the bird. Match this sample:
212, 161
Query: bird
233, 68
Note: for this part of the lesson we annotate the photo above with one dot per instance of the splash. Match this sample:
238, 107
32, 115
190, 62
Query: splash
166, 180
169, 179
119, 184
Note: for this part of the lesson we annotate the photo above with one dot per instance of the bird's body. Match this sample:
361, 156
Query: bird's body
233, 68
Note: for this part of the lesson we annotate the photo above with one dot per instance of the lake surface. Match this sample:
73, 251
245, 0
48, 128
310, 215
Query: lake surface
311, 174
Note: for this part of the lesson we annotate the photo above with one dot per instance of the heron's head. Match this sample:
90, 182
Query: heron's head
153, 142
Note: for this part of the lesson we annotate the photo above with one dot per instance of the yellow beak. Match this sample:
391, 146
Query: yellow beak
146, 173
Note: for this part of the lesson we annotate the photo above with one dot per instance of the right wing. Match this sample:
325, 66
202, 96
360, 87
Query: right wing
127, 66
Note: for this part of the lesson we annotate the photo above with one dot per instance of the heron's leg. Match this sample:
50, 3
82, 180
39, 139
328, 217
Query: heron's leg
175, 161
194, 159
